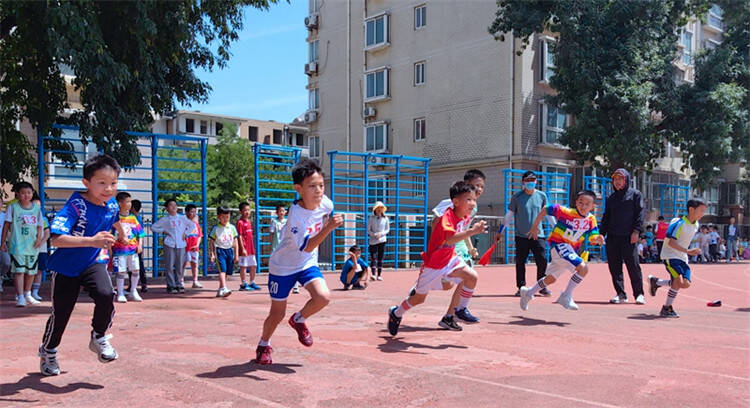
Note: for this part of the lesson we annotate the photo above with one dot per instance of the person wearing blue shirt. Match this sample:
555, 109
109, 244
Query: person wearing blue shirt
355, 271
81, 233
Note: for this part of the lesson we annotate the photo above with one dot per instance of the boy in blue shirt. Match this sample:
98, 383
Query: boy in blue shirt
355, 272
81, 234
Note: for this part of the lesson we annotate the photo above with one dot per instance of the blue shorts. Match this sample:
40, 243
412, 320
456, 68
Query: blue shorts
280, 286
676, 267
225, 260
41, 263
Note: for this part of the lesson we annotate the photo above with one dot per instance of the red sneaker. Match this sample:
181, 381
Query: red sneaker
303, 334
263, 355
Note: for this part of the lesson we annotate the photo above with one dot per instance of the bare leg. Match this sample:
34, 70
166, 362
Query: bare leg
275, 316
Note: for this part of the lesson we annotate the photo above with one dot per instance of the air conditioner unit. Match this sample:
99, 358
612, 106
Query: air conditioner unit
369, 112
311, 21
311, 116
311, 68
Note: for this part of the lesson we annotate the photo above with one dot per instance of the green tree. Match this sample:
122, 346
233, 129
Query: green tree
129, 58
614, 72
230, 169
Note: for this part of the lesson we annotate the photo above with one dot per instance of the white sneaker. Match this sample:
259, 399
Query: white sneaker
640, 300
197, 285
223, 292
20, 301
567, 302
134, 296
617, 300
526, 297
48, 362
121, 299
36, 296
30, 300
102, 348
380, 278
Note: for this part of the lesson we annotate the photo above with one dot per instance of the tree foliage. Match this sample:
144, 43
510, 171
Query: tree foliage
614, 72
129, 59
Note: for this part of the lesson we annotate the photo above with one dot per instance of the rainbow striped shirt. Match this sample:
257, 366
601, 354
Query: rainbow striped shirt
133, 231
571, 228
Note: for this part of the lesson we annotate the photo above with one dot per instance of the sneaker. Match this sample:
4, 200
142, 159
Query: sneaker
358, 286
466, 316
171, 290
372, 278
180, 289
567, 302
668, 311
102, 348
617, 300
197, 285
347, 287
518, 293
135, 297
295, 289
380, 278
640, 300
245, 287
36, 296
263, 355
30, 300
20, 301
449, 323
393, 321
652, 285
144, 289
254, 286
525, 297
544, 292
303, 334
223, 292
413, 291
48, 362
121, 299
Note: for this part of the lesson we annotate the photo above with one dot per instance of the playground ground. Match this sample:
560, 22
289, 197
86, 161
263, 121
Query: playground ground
196, 350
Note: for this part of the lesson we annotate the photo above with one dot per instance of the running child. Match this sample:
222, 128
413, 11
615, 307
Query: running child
125, 251
81, 233
573, 226
675, 253
223, 246
246, 248
193, 243
442, 267
176, 228
296, 258
277, 225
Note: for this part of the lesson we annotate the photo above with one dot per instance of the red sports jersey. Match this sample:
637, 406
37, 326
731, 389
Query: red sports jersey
245, 229
438, 252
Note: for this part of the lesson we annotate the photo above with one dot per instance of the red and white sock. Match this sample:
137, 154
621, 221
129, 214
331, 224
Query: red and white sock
466, 295
402, 308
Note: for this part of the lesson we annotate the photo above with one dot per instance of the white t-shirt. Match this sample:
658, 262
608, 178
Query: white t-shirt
176, 227
290, 256
714, 237
682, 231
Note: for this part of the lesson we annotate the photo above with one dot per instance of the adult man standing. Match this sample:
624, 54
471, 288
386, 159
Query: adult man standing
622, 224
731, 240
524, 208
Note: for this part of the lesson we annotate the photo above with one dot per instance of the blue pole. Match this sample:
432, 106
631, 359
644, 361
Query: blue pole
258, 249
155, 206
425, 195
398, 211
661, 199
333, 199
365, 206
506, 180
204, 220
40, 162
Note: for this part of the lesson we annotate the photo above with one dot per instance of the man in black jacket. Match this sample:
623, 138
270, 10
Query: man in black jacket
622, 224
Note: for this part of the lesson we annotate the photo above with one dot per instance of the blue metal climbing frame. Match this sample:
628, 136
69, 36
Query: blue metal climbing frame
602, 186
673, 200
273, 186
555, 185
400, 182
171, 166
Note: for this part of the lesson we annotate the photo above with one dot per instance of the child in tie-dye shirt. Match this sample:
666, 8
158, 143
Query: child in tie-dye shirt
573, 226
126, 249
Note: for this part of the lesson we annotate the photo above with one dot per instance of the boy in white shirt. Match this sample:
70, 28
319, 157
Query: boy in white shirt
176, 227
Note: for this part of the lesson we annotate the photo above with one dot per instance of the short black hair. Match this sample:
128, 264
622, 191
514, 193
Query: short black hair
649, 227
304, 169
99, 162
695, 202
21, 185
169, 200
35, 197
189, 207
122, 195
528, 173
243, 205
135, 205
354, 248
474, 173
280, 206
587, 193
661, 218
461, 187
223, 210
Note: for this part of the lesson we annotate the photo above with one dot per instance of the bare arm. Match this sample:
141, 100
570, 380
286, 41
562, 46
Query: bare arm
674, 245
4, 237
534, 230
335, 221
235, 247
478, 228
212, 249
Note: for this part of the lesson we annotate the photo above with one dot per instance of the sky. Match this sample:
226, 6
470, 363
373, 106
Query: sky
264, 79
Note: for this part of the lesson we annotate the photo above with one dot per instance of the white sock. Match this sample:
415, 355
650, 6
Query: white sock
663, 282
120, 286
465, 297
298, 318
539, 285
574, 281
671, 295
264, 343
27, 294
134, 282
402, 308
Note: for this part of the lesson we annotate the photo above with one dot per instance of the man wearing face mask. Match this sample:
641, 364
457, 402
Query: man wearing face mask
524, 208
622, 224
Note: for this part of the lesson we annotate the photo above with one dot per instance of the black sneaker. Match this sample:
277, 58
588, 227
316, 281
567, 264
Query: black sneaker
449, 323
170, 290
652, 286
668, 311
393, 321
144, 289
346, 287
518, 293
465, 315
545, 292
413, 292
180, 289
358, 286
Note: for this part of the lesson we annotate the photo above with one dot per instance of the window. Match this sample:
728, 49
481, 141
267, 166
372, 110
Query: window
554, 122
377, 84
377, 190
555, 184
547, 60
419, 129
314, 146
219, 127
313, 51
376, 138
716, 18
419, 73
314, 99
711, 195
417, 186
204, 127
376, 31
299, 139
252, 133
686, 41
277, 136
189, 126
267, 139
420, 16
313, 6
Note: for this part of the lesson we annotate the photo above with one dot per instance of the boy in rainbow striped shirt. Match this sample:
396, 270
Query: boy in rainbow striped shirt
572, 227
126, 249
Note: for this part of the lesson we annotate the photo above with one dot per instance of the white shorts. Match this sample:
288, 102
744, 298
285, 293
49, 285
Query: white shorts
431, 279
124, 263
192, 256
246, 261
564, 259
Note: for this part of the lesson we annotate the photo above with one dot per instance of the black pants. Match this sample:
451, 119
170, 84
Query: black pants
619, 250
142, 275
65, 291
523, 247
377, 251
714, 250
659, 244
